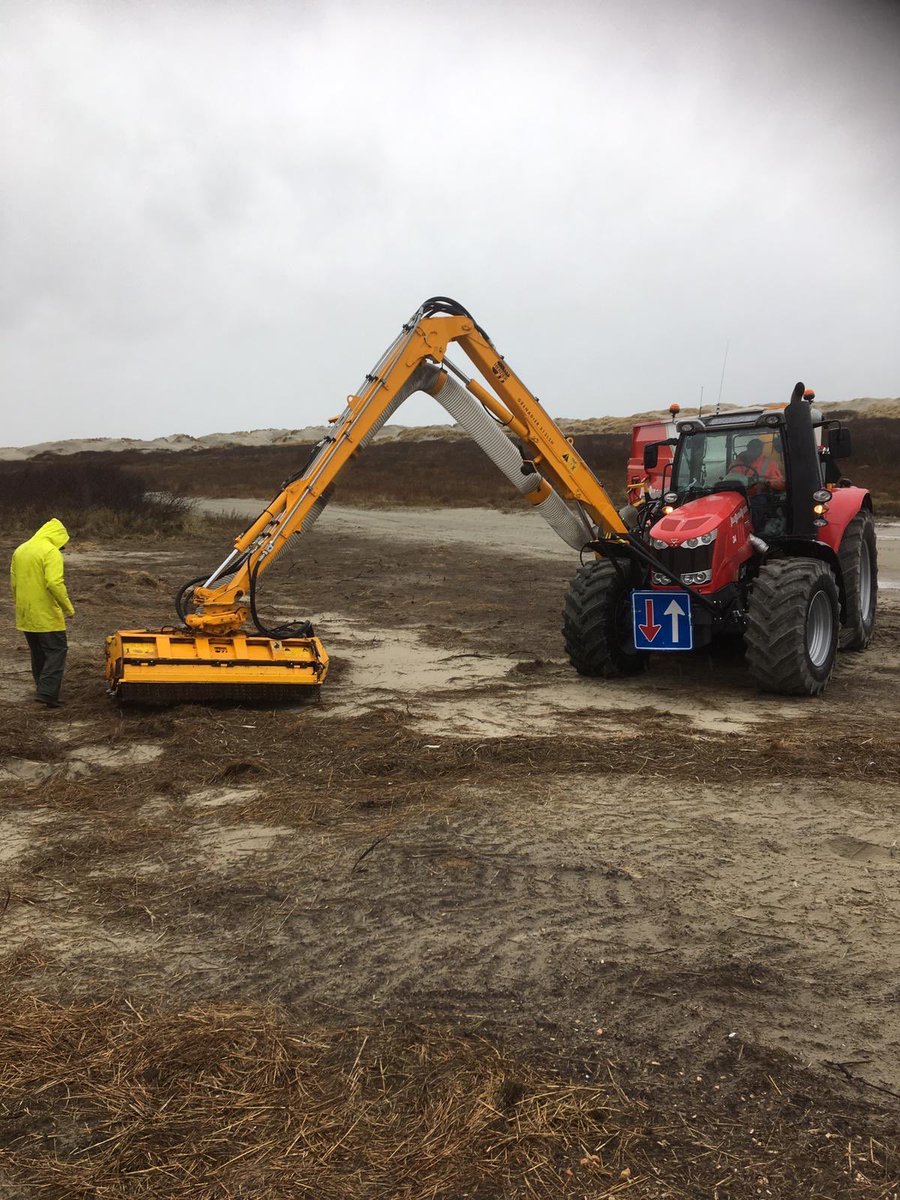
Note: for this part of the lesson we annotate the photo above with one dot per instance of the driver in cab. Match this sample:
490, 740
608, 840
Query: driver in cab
761, 473
758, 467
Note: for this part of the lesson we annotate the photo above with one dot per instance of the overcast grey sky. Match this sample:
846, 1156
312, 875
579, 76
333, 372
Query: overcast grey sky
214, 216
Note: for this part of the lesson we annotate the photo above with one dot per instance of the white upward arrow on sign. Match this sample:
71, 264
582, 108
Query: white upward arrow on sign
675, 611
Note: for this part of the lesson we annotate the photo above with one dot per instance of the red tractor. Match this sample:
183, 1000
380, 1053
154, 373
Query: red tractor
747, 528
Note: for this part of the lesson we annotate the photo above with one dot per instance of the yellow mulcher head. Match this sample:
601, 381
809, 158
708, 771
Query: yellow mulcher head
172, 666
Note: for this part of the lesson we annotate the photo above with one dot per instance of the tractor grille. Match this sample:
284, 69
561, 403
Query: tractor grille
682, 560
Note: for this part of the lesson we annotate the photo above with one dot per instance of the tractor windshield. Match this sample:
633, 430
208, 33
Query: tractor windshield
745, 456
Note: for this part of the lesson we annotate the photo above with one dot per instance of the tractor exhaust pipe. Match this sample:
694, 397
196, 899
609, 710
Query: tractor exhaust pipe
798, 428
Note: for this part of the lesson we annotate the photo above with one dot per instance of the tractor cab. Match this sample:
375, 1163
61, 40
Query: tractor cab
780, 462
742, 454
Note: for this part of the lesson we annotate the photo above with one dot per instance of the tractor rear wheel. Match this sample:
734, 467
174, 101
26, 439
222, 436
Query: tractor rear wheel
858, 557
597, 624
792, 633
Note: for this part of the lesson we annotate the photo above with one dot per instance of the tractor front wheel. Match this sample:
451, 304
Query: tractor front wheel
858, 557
597, 624
792, 632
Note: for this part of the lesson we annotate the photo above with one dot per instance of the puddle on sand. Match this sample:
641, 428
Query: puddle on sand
224, 845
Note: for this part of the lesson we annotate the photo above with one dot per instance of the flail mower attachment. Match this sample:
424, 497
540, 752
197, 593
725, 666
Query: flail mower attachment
172, 666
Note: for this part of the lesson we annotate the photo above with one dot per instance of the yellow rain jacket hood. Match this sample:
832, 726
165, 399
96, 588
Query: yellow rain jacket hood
37, 579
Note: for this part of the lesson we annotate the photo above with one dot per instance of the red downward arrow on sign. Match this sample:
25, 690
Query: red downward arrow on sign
649, 629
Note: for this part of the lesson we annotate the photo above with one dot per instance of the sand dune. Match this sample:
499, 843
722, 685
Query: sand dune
177, 442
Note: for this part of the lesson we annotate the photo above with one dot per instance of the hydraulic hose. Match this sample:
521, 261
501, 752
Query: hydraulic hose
297, 629
502, 452
447, 305
180, 594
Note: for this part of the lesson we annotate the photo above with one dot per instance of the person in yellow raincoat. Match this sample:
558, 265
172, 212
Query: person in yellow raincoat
37, 578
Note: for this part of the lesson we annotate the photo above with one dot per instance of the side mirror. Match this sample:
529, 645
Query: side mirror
651, 456
840, 443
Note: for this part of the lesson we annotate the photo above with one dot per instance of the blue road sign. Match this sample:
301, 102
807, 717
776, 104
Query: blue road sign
662, 621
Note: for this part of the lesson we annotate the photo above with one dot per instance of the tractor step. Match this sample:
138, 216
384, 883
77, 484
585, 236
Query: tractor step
174, 666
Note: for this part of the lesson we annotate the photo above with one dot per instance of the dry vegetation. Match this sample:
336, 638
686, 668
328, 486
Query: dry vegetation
102, 497
875, 463
449, 473
107, 1099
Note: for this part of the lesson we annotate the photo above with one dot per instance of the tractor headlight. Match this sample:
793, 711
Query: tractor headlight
697, 577
822, 496
820, 509
705, 539
670, 497
657, 544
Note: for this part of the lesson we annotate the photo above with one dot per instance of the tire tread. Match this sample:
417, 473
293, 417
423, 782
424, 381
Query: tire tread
776, 631
856, 634
590, 634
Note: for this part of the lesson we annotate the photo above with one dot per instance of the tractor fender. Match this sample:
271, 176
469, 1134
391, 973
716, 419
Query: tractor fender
843, 506
845, 503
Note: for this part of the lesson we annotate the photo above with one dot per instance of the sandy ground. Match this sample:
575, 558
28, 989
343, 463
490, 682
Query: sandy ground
672, 874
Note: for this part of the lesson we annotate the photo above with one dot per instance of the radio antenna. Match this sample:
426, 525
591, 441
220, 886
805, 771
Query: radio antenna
722, 380
700, 405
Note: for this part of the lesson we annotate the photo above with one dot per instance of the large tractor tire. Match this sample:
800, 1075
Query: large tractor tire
597, 624
858, 557
792, 633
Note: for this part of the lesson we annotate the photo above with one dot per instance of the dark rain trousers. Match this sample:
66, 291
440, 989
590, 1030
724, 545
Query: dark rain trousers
48, 661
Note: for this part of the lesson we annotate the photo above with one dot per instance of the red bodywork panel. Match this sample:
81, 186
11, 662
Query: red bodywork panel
724, 512
728, 513
845, 503
638, 479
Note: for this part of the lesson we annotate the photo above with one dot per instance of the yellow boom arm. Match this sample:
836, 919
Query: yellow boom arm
416, 362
